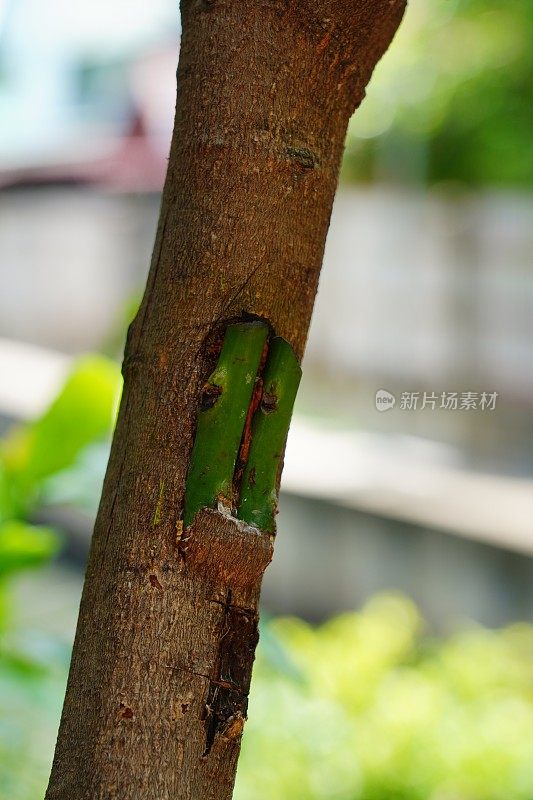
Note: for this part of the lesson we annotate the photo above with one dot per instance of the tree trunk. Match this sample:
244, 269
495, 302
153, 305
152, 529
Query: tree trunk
158, 685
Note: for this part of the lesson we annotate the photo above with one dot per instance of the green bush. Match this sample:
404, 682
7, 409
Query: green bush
367, 706
453, 99
380, 711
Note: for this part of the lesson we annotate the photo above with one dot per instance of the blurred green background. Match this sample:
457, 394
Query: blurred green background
367, 705
452, 102
411, 677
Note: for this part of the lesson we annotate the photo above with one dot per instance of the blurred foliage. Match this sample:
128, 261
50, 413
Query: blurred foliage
32, 666
81, 414
364, 707
380, 711
453, 99
33, 673
23, 546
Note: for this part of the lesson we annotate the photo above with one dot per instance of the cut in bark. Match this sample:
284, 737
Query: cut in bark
222, 416
158, 686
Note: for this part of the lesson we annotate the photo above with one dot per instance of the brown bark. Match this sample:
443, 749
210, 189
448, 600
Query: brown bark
161, 667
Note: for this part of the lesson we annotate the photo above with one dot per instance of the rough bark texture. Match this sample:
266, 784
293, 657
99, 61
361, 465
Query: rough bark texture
167, 629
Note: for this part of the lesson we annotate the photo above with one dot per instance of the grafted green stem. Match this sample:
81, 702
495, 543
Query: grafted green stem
260, 483
221, 418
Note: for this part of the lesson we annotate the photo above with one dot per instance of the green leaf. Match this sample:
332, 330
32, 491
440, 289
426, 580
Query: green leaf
83, 412
23, 546
80, 485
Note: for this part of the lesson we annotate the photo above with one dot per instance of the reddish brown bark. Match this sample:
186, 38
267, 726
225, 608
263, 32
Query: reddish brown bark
161, 667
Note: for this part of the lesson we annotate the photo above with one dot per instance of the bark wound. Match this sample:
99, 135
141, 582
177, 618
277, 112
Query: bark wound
227, 699
229, 559
247, 432
210, 395
303, 156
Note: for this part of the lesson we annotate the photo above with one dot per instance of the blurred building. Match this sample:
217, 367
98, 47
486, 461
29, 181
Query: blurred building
100, 112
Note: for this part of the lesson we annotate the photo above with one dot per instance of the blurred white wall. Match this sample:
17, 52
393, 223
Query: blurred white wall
415, 285
419, 291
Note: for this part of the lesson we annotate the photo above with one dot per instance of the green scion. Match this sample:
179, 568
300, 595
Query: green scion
270, 425
221, 419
